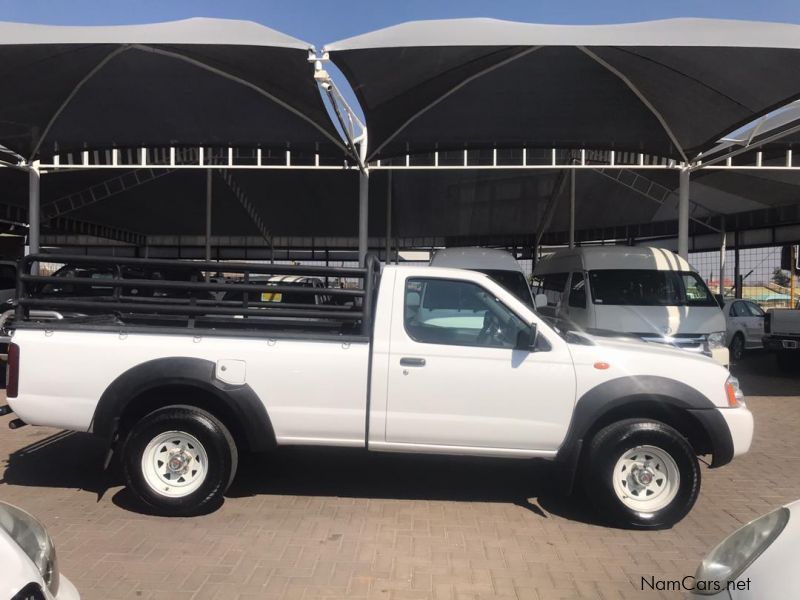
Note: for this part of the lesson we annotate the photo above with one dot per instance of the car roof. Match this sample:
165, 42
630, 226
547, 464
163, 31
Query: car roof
475, 258
612, 257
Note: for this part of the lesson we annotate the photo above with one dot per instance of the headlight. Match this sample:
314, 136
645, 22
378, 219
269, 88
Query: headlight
32, 537
734, 392
716, 340
730, 558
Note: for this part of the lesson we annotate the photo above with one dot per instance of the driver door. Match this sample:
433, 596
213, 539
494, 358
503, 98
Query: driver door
455, 379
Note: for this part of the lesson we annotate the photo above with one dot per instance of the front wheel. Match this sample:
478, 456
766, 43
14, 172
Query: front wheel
737, 347
179, 460
642, 474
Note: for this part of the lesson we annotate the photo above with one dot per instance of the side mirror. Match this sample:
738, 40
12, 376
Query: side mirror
540, 301
526, 339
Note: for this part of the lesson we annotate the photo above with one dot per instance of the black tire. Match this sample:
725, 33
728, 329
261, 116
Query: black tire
787, 361
610, 444
737, 348
215, 440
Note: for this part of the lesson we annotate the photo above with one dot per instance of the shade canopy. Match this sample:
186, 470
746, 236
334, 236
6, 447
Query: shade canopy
453, 207
773, 133
671, 88
192, 82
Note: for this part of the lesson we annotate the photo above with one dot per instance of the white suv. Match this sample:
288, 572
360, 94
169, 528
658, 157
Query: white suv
28, 564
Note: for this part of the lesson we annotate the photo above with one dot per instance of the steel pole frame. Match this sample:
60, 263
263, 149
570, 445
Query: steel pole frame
34, 208
683, 213
572, 208
388, 217
209, 195
723, 248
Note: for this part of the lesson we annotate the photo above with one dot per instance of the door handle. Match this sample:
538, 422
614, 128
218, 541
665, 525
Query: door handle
407, 361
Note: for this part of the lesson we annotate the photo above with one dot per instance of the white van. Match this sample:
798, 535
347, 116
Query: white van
650, 293
497, 264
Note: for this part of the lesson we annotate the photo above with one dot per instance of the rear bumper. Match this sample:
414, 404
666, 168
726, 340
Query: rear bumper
781, 343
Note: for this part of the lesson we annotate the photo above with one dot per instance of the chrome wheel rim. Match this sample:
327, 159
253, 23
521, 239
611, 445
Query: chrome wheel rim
646, 479
174, 464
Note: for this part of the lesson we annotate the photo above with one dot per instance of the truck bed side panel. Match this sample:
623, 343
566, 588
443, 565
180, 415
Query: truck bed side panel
313, 391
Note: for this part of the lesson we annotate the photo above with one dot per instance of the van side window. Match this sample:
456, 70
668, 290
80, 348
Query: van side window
551, 285
577, 291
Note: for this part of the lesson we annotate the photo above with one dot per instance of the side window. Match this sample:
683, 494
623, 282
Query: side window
755, 309
458, 313
577, 291
740, 310
551, 285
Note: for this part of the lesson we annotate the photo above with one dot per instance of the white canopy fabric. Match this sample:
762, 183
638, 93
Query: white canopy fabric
194, 82
671, 88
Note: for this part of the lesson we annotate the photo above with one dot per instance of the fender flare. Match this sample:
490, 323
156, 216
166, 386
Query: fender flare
240, 401
662, 391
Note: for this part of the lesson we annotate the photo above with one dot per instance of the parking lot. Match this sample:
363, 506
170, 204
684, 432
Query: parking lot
305, 523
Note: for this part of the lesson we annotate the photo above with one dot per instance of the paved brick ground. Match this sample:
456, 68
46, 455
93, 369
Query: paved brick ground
323, 524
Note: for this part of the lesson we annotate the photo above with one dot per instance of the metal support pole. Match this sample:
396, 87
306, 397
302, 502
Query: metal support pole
34, 206
792, 263
723, 248
363, 203
388, 217
736, 276
208, 214
683, 214
572, 209
363, 216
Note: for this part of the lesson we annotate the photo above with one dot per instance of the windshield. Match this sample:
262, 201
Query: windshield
514, 282
640, 287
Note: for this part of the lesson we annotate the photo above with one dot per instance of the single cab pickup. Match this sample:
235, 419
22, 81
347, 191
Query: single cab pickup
433, 360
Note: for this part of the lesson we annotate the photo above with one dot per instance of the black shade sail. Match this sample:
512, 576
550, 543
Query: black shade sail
192, 82
670, 88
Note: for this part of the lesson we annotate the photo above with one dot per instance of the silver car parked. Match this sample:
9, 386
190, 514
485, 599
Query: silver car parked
744, 322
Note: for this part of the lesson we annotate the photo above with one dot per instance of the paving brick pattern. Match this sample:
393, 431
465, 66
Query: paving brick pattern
335, 524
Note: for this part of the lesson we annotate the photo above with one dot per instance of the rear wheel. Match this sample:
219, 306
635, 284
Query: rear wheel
179, 460
737, 347
642, 474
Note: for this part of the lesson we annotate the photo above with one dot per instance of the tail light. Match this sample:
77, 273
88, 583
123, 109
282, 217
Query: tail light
12, 372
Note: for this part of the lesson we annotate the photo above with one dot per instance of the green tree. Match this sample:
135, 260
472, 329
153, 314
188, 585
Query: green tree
780, 278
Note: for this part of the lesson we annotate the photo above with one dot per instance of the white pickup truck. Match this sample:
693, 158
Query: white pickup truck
782, 337
417, 359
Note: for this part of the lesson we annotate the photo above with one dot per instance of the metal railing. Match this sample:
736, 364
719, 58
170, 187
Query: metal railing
130, 295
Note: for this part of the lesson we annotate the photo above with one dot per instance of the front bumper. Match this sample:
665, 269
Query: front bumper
730, 431
740, 424
66, 590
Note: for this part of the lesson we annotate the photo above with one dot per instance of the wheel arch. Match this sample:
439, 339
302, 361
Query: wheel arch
182, 381
662, 399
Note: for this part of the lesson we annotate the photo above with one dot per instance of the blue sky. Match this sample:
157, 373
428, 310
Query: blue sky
320, 22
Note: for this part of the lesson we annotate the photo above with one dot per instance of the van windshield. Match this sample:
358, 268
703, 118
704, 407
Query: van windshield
640, 287
514, 282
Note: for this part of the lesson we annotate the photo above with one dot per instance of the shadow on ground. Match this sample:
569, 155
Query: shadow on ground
75, 461
353, 473
65, 459
759, 375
